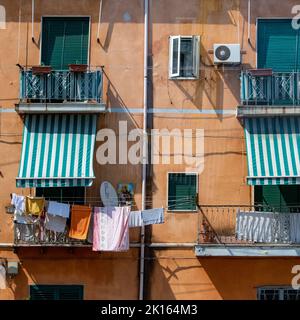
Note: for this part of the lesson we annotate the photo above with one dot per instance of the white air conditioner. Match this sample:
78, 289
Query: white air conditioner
227, 53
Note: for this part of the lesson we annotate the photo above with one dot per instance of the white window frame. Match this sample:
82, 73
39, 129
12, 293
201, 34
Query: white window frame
195, 54
197, 190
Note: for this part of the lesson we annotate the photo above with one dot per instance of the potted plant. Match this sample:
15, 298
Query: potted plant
42, 69
78, 67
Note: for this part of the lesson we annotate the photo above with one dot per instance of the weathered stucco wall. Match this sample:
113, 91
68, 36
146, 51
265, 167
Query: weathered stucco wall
211, 100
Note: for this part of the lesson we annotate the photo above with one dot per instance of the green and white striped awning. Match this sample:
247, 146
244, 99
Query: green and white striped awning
273, 146
57, 151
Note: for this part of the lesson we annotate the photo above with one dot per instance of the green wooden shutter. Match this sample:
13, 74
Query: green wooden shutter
56, 292
65, 41
182, 191
278, 197
277, 45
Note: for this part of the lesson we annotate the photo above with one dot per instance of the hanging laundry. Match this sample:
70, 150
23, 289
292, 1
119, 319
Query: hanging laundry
294, 227
18, 202
91, 229
55, 223
111, 229
58, 209
2, 277
80, 220
153, 216
256, 226
135, 219
34, 205
25, 232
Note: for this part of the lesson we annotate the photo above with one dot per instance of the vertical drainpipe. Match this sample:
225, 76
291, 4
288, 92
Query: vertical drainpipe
32, 20
249, 21
145, 148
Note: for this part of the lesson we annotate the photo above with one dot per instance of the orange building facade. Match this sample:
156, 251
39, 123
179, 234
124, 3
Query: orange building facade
195, 253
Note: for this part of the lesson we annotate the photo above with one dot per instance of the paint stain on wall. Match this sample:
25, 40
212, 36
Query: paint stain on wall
126, 17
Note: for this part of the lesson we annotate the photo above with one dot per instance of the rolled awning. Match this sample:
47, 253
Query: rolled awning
57, 151
273, 146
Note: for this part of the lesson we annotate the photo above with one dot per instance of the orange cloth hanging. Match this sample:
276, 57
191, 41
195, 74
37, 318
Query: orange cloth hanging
80, 220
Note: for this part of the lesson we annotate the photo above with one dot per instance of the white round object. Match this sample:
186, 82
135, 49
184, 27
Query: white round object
108, 195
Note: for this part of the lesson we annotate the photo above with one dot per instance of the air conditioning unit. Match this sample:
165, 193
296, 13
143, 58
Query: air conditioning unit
227, 53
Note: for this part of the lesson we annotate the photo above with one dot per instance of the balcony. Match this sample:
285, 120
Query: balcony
32, 235
268, 93
248, 231
61, 91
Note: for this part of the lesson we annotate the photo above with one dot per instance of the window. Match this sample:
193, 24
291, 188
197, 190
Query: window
56, 292
65, 41
278, 293
184, 57
182, 191
67, 194
279, 197
278, 45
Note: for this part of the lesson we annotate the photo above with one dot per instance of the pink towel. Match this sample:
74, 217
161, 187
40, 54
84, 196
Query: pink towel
111, 229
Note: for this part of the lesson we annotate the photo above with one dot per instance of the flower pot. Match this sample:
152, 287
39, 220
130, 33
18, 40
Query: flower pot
41, 69
78, 67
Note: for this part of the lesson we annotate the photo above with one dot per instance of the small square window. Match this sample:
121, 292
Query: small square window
184, 57
182, 191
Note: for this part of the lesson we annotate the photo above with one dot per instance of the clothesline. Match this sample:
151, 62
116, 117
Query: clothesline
34, 215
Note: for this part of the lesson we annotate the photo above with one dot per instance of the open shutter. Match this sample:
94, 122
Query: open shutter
174, 58
196, 56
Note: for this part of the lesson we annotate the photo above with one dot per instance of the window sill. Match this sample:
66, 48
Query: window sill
184, 78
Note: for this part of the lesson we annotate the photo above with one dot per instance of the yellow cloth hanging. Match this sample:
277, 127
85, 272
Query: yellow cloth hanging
34, 205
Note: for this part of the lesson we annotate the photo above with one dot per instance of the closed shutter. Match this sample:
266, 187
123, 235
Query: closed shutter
56, 292
282, 198
65, 41
182, 192
277, 45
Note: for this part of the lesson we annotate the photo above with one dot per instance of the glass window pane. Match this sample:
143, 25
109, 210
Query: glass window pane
186, 57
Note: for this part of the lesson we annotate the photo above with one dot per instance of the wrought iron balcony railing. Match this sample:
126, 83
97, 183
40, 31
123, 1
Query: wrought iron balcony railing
248, 225
276, 88
61, 86
33, 234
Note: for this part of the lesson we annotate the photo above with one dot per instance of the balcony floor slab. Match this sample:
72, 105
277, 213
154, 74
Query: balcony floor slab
67, 107
248, 250
267, 111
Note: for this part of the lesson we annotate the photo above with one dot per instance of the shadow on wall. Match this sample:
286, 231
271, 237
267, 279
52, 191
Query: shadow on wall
203, 11
18, 286
239, 278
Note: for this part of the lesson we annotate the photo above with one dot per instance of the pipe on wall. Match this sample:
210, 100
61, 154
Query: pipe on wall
99, 20
32, 20
145, 147
249, 21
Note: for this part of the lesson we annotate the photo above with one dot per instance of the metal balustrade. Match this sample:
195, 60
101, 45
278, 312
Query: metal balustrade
218, 224
61, 86
35, 234
279, 88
